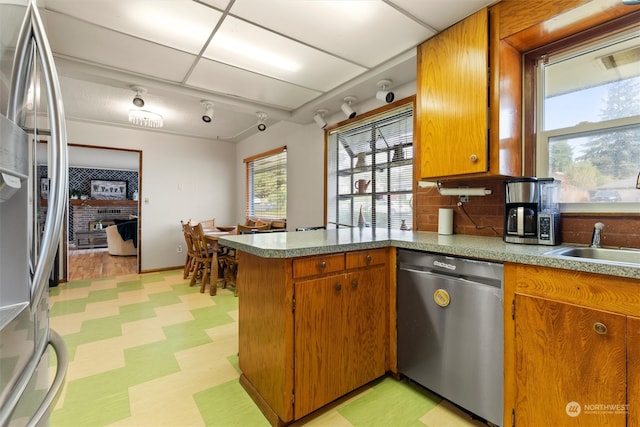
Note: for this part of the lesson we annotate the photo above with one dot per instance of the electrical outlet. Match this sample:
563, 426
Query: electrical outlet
463, 199
179, 249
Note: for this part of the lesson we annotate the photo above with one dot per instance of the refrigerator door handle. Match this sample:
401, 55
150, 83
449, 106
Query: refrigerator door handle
33, 30
62, 362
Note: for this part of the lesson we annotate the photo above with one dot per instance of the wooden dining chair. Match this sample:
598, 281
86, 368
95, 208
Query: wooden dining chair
208, 224
246, 229
204, 259
230, 270
188, 262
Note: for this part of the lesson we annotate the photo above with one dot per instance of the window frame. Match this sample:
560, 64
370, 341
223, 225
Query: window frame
249, 208
536, 140
333, 196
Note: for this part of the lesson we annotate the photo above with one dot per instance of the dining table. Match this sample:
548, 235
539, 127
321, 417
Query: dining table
211, 235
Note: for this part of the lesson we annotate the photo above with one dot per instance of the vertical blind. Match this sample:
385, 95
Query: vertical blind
370, 171
267, 185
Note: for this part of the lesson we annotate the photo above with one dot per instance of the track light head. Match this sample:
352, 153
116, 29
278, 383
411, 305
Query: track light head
207, 117
137, 100
262, 117
319, 118
346, 107
383, 94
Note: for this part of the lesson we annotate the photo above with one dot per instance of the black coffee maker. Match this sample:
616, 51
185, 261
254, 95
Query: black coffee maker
522, 204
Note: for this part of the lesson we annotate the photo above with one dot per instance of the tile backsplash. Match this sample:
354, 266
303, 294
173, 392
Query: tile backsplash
486, 217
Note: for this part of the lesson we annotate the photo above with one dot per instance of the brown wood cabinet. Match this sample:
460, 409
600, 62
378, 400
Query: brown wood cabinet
460, 102
570, 346
312, 329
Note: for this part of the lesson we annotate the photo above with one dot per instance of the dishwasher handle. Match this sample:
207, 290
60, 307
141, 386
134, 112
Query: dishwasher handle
488, 281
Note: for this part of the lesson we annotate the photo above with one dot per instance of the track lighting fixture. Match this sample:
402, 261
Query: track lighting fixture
137, 100
262, 117
383, 94
319, 118
208, 111
346, 107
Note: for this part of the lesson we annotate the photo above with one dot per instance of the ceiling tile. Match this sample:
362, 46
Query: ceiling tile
240, 83
246, 46
183, 25
365, 32
113, 49
441, 14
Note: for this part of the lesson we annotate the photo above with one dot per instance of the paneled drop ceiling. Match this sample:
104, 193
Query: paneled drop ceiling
287, 58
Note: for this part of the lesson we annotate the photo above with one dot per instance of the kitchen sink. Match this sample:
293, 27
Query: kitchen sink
607, 255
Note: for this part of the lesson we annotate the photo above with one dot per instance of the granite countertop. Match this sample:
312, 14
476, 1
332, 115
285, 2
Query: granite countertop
315, 242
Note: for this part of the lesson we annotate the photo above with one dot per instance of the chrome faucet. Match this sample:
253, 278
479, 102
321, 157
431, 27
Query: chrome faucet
595, 239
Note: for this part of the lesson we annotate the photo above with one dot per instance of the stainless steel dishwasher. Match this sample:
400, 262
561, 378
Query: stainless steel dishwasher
450, 329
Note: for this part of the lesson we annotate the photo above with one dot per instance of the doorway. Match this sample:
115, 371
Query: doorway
89, 213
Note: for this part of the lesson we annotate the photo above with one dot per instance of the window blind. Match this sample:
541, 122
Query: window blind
266, 195
370, 171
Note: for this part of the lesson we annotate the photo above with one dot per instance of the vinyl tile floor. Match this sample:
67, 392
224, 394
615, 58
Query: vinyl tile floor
149, 350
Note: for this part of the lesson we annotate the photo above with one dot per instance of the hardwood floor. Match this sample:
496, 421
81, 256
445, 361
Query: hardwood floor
97, 263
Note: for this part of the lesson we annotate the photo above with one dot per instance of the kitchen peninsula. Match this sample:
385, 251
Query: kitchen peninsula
317, 308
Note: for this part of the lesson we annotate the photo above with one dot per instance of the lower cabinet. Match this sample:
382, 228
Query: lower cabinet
572, 348
570, 358
340, 336
312, 329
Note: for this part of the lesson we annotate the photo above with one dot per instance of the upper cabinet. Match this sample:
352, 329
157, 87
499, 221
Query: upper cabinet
467, 106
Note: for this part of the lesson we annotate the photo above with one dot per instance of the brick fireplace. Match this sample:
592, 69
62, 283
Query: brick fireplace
86, 211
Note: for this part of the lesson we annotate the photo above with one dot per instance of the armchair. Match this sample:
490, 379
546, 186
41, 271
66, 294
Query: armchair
117, 245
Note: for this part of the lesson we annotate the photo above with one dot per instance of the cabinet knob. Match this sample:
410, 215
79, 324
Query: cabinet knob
368, 259
354, 283
473, 158
323, 265
338, 286
600, 328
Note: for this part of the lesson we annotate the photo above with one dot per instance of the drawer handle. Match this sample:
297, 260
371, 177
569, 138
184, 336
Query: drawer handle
473, 158
354, 283
368, 258
323, 265
600, 328
338, 287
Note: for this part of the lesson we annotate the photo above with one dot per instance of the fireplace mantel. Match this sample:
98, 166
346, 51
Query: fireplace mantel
93, 202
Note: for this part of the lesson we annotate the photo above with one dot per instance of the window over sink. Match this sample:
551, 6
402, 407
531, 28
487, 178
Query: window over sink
588, 120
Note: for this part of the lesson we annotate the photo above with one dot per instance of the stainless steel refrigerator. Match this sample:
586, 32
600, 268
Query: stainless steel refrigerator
30, 107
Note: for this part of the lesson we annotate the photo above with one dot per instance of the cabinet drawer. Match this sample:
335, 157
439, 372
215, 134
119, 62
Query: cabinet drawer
318, 265
366, 258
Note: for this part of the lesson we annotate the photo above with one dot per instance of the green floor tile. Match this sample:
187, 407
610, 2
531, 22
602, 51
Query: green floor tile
390, 403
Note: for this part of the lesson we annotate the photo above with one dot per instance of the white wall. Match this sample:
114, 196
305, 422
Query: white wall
305, 170
182, 178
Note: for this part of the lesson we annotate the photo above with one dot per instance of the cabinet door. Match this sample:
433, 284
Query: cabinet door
633, 370
363, 344
318, 343
452, 100
570, 365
